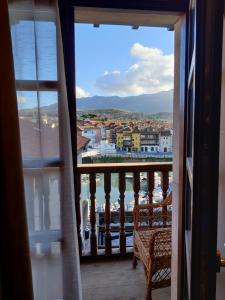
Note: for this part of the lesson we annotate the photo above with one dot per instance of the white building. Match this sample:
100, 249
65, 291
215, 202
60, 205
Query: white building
165, 141
102, 132
90, 133
150, 148
106, 148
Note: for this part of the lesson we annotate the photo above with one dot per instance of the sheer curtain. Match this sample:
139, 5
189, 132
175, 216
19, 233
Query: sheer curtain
46, 149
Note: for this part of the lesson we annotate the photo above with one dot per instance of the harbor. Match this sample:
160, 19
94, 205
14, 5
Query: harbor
129, 193
115, 207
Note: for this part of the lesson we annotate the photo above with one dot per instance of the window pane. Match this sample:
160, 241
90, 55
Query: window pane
24, 50
46, 50
49, 124
34, 50
39, 128
42, 190
30, 134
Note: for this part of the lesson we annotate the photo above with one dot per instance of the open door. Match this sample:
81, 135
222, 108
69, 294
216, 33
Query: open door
202, 122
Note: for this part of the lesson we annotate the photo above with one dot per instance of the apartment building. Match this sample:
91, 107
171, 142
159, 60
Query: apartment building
146, 140
165, 141
149, 140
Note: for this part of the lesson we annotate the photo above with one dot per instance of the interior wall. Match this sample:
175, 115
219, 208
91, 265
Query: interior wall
220, 291
178, 148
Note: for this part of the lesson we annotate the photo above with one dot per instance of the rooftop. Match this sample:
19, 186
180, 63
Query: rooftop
81, 142
165, 133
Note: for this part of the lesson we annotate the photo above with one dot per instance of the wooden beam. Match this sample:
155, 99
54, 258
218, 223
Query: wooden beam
124, 167
160, 5
128, 17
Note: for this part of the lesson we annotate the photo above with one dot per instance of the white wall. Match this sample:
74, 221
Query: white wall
106, 148
90, 134
165, 142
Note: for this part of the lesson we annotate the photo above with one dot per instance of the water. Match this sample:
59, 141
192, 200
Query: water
114, 195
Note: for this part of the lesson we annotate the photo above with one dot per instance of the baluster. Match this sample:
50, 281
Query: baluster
136, 187
78, 214
165, 186
93, 238
46, 183
39, 192
107, 187
122, 188
29, 192
165, 183
151, 185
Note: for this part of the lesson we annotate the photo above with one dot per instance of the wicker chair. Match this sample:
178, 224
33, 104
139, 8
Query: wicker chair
152, 243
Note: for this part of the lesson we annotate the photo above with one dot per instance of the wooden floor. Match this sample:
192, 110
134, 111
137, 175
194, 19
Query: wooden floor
116, 281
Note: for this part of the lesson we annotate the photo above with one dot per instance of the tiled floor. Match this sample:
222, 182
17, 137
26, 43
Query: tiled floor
116, 281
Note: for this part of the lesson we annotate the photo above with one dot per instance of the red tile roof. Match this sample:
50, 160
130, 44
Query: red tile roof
81, 142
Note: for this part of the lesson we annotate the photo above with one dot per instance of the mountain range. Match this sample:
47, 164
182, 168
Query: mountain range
159, 104
121, 114
147, 103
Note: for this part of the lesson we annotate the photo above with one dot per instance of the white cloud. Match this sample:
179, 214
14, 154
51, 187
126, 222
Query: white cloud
80, 93
153, 72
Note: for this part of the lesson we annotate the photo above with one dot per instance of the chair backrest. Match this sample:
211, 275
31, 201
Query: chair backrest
153, 215
161, 243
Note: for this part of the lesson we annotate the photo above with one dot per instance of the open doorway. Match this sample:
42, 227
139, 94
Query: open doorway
124, 102
203, 35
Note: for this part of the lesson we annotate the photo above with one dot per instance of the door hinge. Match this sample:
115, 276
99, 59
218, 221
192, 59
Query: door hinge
220, 261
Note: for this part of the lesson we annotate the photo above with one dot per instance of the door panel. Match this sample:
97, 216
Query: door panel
203, 75
220, 286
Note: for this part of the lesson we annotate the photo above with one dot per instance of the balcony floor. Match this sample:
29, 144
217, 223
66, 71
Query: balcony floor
116, 280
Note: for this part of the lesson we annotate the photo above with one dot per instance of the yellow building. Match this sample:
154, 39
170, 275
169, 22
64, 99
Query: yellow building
128, 140
119, 140
136, 140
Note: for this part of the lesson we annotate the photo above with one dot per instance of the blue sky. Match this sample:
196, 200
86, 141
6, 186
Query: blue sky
110, 60
108, 49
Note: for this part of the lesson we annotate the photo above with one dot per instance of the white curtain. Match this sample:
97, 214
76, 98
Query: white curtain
46, 149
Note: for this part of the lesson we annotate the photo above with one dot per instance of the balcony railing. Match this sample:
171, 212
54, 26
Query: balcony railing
109, 229
103, 225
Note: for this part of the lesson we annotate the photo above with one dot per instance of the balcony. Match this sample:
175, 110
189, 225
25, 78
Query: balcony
107, 229
107, 250
106, 264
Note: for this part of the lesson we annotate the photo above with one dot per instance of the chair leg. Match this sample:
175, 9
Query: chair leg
135, 257
134, 262
148, 295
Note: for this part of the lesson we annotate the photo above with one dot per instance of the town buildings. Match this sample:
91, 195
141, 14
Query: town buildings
151, 137
147, 140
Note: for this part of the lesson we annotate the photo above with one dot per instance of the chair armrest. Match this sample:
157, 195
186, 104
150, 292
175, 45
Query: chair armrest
168, 199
